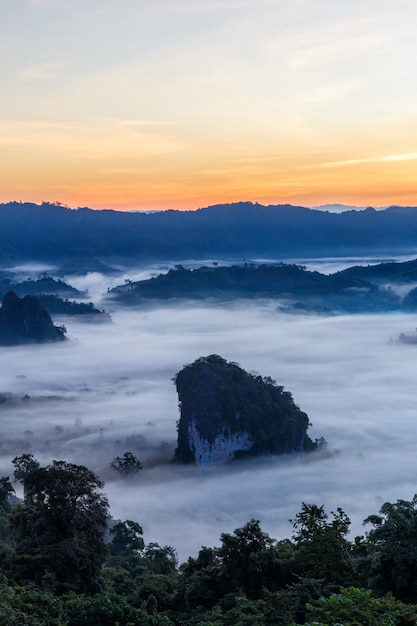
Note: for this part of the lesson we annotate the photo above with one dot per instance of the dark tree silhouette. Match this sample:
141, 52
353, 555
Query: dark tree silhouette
127, 465
59, 532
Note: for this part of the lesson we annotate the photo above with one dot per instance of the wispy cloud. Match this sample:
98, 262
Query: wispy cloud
409, 156
45, 71
334, 50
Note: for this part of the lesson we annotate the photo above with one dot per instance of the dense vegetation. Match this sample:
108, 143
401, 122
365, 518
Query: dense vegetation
43, 285
227, 412
53, 294
298, 287
65, 562
49, 232
25, 320
59, 306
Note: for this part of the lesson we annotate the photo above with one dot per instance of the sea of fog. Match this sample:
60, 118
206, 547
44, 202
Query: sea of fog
109, 389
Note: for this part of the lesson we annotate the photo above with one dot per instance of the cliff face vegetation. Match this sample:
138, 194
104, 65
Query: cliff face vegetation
25, 320
227, 412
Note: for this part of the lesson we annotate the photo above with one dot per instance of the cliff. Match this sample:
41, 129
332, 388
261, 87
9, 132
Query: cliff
226, 413
24, 320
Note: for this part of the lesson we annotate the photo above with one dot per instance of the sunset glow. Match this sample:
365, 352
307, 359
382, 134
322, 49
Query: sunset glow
134, 105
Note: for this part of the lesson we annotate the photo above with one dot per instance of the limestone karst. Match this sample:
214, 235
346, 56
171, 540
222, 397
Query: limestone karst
25, 320
227, 412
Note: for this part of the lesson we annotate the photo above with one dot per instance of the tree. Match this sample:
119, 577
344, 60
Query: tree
6, 542
6, 489
353, 606
127, 538
161, 559
24, 465
322, 550
60, 532
247, 558
156, 576
127, 465
391, 548
108, 609
30, 607
201, 583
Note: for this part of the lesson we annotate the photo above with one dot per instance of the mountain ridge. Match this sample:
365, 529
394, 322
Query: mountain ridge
49, 231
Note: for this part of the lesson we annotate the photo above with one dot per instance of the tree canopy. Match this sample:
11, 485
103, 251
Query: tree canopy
60, 530
57, 570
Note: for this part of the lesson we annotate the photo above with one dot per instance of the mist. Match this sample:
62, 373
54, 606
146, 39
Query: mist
109, 389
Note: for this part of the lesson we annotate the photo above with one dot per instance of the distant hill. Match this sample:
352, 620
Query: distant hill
300, 288
53, 295
25, 320
338, 208
44, 285
383, 273
242, 230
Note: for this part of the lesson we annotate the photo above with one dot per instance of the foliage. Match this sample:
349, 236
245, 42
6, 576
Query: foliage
146, 577
322, 549
201, 581
108, 609
218, 397
28, 607
127, 465
57, 571
353, 607
24, 465
6, 489
248, 564
247, 559
59, 533
391, 548
126, 538
25, 320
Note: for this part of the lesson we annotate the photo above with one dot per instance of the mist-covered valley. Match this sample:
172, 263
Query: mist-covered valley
109, 389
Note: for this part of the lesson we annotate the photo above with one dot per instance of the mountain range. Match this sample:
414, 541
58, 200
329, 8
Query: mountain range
243, 230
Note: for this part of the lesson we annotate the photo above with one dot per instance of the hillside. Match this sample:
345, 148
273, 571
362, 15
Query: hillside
298, 287
25, 320
242, 230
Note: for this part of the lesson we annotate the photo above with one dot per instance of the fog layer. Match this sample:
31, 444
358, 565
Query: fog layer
108, 389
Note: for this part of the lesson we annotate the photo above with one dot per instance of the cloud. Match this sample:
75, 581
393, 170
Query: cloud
336, 49
45, 71
109, 390
410, 156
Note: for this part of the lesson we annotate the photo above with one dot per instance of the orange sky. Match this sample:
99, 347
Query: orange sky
183, 105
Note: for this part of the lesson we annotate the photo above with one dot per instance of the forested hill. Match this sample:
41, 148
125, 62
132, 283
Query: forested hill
300, 289
241, 230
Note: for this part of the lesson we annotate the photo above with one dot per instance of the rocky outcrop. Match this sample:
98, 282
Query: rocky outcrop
227, 413
24, 320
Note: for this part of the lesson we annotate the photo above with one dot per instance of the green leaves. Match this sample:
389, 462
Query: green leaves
353, 606
59, 531
126, 538
322, 550
391, 550
127, 465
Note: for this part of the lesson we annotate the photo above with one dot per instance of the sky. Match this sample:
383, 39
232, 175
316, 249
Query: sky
137, 105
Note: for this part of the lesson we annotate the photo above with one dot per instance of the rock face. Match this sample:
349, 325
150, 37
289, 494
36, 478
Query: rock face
227, 413
24, 320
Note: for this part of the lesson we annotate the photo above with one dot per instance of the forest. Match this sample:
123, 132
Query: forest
66, 562
240, 230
